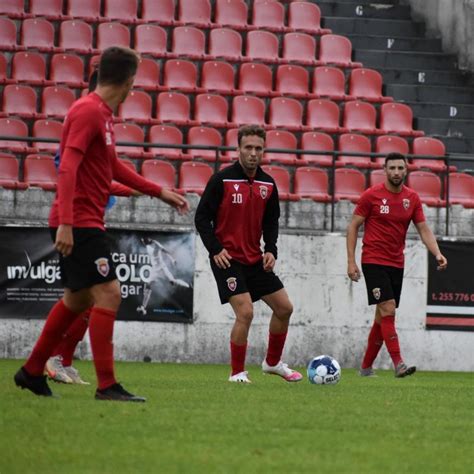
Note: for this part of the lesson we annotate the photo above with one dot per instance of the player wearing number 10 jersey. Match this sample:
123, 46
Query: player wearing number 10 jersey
386, 211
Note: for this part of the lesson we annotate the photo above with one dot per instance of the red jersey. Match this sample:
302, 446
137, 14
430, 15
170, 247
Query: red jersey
85, 182
387, 217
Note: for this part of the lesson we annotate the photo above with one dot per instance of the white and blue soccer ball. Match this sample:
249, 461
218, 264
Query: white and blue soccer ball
324, 370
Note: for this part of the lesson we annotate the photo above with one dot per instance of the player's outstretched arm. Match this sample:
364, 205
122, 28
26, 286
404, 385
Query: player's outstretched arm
175, 200
353, 271
429, 240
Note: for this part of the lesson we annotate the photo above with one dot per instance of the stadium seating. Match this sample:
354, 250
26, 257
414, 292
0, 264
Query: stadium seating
226, 44
173, 107
88, 10
429, 146
161, 12
50, 9
166, 134
3, 70
112, 34
323, 114
8, 35
231, 13
193, 176
40, 171
197, 12
397, 118
335, 49
129, 164
299, 47
67, 69
129, 132
12, 8
317, 141
75, 35
124, 11
262, 45
285, 112
160, 172
376, 177
148, 74
12, 127
19, 100
329, 82
9, 171
37, 33
312, 183
255, 78
306, 16
428, 187
292, 80
360, 116
188, 41
248, 109
203, 136
181, 75
354, 143
136, 107
349, 184
389, 144
150, 39
47, 129
366, 84
280, 139
217, 76
269, 16
282, 180
211, 109
56, 101
230, 140
461, 189
29, 67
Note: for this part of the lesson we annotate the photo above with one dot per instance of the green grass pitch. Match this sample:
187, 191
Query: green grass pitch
197, 422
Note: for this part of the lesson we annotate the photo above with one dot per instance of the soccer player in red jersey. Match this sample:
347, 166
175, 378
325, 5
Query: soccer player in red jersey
238, 206
386, 211
88, 165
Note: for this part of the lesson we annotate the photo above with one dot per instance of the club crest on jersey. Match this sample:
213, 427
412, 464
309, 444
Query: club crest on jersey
103, 266
263, 191
406, 203
232, 283
376, 293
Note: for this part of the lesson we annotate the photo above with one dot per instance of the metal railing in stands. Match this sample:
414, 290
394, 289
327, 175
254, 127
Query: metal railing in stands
448, 158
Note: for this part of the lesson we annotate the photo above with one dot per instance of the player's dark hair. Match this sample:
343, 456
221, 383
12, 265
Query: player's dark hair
117, 65
395, 156
93, 80
247, 130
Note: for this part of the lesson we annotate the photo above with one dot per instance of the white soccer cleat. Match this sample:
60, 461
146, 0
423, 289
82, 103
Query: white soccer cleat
73, 374
55, 370
282, 370
241, 377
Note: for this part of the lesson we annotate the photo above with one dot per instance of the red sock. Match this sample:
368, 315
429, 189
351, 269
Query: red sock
374, 345
101, 332
275, 348
390, 338
58, 321
71, 338
237, 356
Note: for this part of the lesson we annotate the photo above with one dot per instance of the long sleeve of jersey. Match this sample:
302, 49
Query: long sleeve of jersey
270, 223
206, 214
117, 189
133, 180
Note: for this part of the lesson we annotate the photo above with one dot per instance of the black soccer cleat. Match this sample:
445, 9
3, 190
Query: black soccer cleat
118, 394
34, 383
402, 370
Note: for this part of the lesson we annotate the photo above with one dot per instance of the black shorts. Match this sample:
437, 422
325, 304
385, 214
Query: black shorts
90, 262
383, 282
240, 278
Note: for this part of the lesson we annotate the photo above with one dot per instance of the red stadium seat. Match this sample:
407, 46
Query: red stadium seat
317, 141
129, 164
112, 34
188, 41
136, 107
203, 136
282, 180
225, 43
47, 129
13, 8
312, 183
376, 177
306, 16
329, 82
56, 101
292, 80
280, 139
29, 67
86, 9
3, 69
217, 76
173, 107
262, 45
161, 12
68, 69
255, 78
286, 112
428, 187
197, 12
148, 74
75, 35
9, 168
299, 47
354, 143
211, 109
124, 11
166, 134
8, 35
50, 9
193, 176
360, 116
19, 100
248, 110
324, 115
230, 141
367, 84
397, 118
150, 39
335, 49
429, 146
349, 184
129, 132
269, 16
40, 171
231, 13
160, 172
37, 33
389, 144
11, 127
461, 189
180, 74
